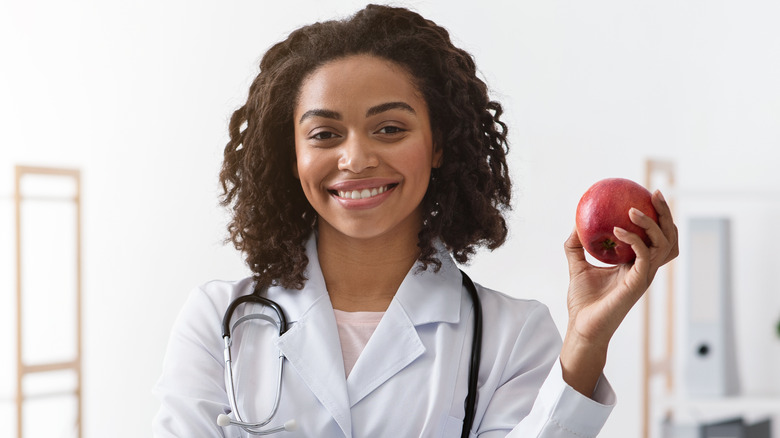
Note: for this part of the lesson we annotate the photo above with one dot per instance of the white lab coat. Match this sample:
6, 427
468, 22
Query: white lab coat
409, 381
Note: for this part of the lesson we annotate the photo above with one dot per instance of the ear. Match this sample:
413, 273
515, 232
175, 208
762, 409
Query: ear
438, 154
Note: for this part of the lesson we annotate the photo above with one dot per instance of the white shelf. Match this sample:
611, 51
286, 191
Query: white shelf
695, 411
736, 403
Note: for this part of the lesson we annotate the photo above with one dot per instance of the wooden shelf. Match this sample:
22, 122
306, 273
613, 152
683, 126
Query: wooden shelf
22, 368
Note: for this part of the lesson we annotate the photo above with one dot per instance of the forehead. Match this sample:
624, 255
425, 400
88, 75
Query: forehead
357, 81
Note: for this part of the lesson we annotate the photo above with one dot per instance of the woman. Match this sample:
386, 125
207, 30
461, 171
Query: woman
367, 156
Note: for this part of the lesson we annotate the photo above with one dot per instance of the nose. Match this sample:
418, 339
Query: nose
357, 155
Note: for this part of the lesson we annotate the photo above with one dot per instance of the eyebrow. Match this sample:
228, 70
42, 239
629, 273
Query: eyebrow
374, 110
328, 114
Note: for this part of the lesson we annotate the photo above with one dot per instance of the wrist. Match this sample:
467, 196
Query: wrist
582, 362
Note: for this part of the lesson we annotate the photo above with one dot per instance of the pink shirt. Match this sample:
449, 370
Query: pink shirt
355, 329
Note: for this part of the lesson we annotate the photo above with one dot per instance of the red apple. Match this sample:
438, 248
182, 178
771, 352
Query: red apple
604, 206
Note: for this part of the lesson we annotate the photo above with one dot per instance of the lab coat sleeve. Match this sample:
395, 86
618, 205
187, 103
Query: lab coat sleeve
561, 412
191, 388
532, 388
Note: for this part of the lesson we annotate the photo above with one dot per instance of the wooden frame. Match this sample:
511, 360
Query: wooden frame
664, 365
23, 369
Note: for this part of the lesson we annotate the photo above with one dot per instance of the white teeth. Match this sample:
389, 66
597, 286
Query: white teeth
362, 194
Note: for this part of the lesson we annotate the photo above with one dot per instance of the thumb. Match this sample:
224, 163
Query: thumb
575, 253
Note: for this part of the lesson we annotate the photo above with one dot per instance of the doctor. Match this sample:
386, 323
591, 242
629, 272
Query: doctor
367, 156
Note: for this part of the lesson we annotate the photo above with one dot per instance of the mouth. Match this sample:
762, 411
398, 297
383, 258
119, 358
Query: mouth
362, 193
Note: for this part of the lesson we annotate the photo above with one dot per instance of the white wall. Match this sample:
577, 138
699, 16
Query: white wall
138, 94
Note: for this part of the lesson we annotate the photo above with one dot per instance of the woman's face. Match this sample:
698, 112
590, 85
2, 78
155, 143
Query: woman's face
364, 148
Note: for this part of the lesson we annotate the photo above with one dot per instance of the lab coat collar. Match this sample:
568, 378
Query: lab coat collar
429, 296
297, 302
423, 297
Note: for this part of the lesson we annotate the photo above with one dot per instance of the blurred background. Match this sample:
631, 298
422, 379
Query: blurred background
137, 97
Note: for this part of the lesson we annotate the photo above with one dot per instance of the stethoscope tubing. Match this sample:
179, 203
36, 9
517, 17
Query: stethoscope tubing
255, 297
476, 355
252, 428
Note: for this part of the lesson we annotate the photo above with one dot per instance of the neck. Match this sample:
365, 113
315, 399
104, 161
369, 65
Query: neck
364, 274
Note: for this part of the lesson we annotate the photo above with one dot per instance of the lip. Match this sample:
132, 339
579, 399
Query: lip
360, 184
366, 203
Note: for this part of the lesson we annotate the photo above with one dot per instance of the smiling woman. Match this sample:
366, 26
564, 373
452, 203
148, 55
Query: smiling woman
364, 164
367, 160
272, 218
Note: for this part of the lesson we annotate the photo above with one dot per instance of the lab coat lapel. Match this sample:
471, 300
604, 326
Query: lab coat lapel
311, 345
392, 347
312, 348
422, 298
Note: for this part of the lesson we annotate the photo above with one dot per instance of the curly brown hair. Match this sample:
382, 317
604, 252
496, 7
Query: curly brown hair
467, 195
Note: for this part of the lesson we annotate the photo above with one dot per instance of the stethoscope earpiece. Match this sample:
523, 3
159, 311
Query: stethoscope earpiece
223, 420
290, 425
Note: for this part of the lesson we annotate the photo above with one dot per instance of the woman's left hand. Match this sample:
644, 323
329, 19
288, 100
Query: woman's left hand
600, 297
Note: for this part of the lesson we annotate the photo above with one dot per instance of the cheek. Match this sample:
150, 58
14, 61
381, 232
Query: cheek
301, 162
303, 169
421, 158
310, 169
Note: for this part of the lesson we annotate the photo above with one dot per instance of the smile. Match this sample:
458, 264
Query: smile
364, 193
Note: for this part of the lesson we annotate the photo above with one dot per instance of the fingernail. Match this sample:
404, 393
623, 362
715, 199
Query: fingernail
660, 196
637, 212
618, 230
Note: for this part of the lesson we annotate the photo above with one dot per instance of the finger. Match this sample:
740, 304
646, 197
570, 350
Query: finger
637, 244
657, 237
575, 253
660, 247
639, 275
675, 248
665, 219
666, 222
662, 250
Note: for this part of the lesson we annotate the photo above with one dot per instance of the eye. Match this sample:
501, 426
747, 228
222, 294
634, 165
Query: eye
390, 129
323, 135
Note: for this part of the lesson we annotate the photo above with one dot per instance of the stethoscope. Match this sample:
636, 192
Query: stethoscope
256, 428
